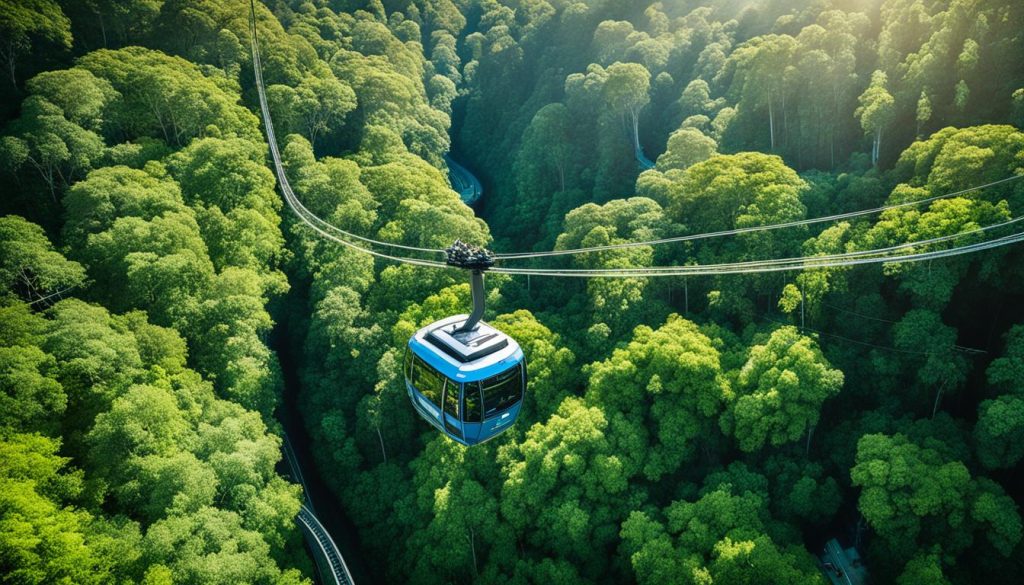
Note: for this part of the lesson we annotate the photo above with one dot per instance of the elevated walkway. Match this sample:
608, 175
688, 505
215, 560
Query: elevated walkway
330, 564
843, 566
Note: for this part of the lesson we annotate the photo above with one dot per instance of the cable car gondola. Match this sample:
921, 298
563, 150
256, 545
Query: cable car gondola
463, 376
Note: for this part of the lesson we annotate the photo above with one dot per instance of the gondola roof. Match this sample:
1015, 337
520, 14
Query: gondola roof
470, 352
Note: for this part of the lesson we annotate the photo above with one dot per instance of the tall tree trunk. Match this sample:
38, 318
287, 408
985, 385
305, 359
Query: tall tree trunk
9, 57
771, 122
155, 108
876, 147
818, 141
938, 397
380, 437
832, 128
312, 137
472, 546
686, 296
103, 29
832, 148
51, 182
803, 304
636, 130
784, 127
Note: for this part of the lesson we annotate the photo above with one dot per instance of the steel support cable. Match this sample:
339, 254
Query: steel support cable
315, 221
776, 261
785, 261
804, 263
850, 339
760, 228
311, 219
962, 348
58, 293
808, 263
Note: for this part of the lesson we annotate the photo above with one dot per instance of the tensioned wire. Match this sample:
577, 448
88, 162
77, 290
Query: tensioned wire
969, 350
837, 260
803, 263
311, 219
856, 341
759, 228
701, 268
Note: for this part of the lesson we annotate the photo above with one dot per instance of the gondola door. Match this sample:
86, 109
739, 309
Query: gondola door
452, 420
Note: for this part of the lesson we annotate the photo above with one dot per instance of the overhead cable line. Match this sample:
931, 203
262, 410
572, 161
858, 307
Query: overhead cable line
856, 314
860, 342
836, 258
311, 219
760, 228
802, 263
790, 260
961, 348
808, 263
58, 294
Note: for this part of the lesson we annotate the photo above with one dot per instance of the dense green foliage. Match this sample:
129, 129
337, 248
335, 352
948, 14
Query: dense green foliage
138, 390
697, 430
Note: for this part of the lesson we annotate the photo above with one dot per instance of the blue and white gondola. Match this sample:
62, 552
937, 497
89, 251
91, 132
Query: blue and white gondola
465, 377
